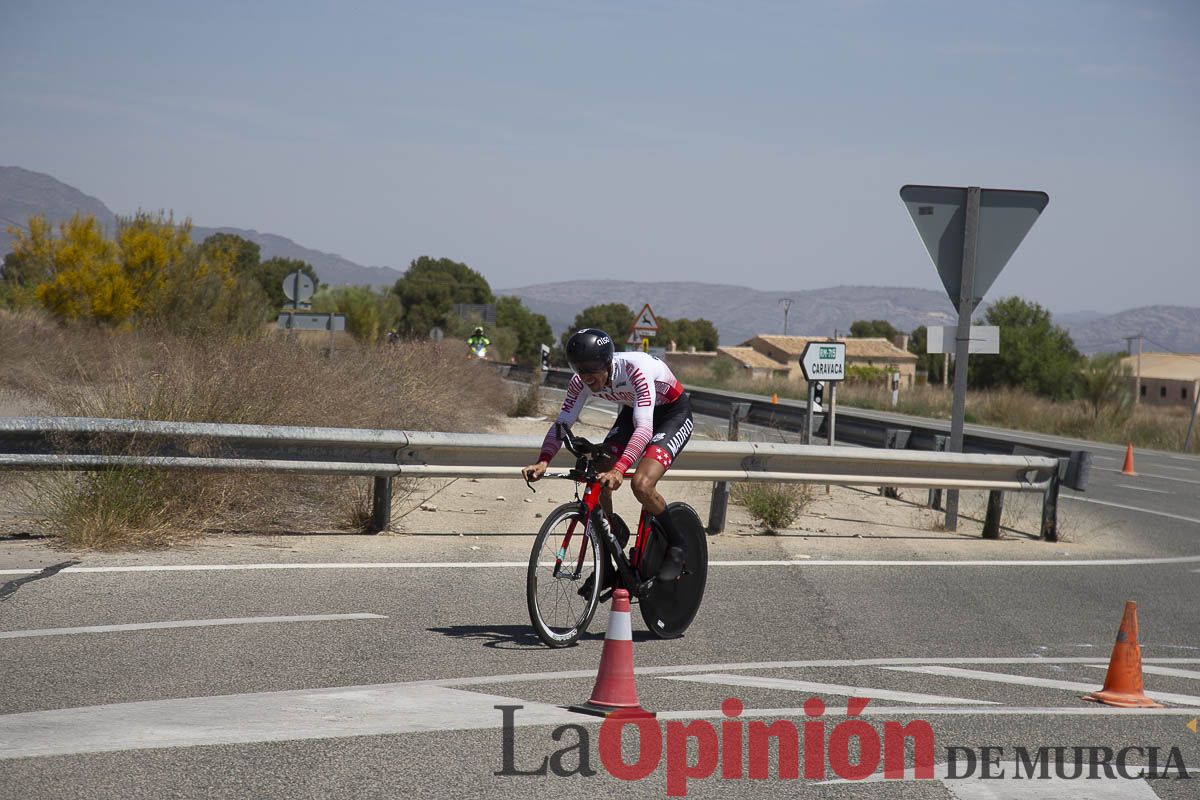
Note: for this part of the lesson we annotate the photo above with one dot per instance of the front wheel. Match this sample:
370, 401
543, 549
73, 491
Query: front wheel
669, 608
565, 555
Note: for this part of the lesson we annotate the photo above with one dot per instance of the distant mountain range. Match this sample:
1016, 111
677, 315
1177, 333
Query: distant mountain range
24, 193
738, 312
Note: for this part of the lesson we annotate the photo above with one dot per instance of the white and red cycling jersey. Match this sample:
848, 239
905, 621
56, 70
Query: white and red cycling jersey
637, 380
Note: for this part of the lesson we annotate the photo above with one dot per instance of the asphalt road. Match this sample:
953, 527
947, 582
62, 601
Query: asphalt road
381, 678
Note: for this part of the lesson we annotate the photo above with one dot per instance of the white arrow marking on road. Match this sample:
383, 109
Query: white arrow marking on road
762, 682
1025, 680
185, 623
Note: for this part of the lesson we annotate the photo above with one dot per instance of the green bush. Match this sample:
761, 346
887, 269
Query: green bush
775, 506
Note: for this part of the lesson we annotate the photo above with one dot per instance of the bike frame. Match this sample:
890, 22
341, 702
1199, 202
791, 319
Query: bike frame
627, 568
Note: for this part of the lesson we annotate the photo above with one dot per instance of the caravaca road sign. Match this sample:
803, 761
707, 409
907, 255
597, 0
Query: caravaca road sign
824, 361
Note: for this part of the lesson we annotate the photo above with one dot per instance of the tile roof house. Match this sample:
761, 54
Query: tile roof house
880, 353
1167, 378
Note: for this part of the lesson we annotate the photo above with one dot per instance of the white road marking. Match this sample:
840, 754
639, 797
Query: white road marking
1093, 562
185, 623
1149, 475
1153, 670
783, 684
1142, 489
1009, 788
262, 717
1106, 503
684, 669
1026, 680
372, 710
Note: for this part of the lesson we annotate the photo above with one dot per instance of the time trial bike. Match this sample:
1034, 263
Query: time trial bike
565, 581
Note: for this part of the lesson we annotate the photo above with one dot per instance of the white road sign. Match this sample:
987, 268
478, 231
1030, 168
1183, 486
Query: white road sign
824, 361
984, 339
645, 321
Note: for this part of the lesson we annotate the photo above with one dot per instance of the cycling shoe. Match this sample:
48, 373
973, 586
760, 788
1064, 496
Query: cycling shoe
672, 564
585, 591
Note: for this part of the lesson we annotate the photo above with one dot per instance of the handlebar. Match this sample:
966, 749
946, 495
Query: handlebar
577, 445
585, 452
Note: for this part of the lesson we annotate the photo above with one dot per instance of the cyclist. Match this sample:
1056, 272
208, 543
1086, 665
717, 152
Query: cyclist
654, 424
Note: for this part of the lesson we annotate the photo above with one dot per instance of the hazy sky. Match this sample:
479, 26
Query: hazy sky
760, 144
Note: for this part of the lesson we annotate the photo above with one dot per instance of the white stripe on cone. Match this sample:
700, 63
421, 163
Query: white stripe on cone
620, 627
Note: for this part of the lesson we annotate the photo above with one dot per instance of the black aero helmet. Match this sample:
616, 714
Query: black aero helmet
590, 350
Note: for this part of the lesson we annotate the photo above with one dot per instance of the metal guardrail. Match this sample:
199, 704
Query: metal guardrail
865, 429
85, 443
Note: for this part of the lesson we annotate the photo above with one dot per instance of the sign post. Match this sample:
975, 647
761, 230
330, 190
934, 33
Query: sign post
970, 234
822, 361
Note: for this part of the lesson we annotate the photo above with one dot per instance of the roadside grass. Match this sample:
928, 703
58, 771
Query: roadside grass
270, 380
1154, 427
528, 402
774, 506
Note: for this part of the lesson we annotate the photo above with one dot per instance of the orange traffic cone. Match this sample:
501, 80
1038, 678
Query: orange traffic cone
1128, 468
615, 692
1123, 681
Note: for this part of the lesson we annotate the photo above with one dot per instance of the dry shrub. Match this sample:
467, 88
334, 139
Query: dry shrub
80, 371
775, 506
1157, 427
528, 402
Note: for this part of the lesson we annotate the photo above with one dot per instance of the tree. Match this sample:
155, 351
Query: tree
430, 288
1104, 383
151, 248
85, 279
698, 333
369, 314
246, 254
531, 330
1035, 354
270, 274
615, 319
929, 363
873, 329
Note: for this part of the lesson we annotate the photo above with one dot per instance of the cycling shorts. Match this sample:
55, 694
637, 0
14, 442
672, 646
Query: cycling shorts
672, 429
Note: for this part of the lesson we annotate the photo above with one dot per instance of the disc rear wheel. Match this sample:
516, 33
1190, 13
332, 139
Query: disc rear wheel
668, 608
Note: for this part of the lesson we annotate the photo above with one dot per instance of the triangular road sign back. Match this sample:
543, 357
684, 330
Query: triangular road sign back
1005, 216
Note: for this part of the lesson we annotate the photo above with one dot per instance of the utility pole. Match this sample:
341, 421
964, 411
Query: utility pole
1137, 386
787, 306
1187, 440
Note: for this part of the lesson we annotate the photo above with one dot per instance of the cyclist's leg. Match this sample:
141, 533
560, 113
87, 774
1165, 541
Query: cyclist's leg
614, 444
672, 430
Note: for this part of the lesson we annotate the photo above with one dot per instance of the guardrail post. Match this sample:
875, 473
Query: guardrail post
381, 504
935, 495
995, 509
720, 496
894, 439
1050, 510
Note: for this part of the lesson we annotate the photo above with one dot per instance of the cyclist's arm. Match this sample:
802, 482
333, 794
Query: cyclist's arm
573, 403
643, 420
